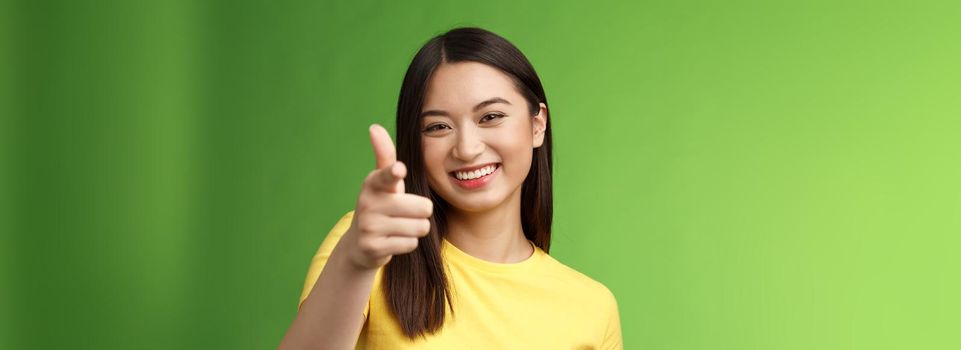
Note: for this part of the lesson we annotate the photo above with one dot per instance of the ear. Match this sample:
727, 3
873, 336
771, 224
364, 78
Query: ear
539, 125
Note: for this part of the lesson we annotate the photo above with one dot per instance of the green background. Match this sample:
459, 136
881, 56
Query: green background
742, 175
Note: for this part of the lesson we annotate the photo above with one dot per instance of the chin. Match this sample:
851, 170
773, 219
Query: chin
474, 208
475, 202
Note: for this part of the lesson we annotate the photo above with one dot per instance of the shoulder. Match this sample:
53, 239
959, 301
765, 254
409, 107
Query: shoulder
580, 285
344, 221
595, 300
337, 231
324, 251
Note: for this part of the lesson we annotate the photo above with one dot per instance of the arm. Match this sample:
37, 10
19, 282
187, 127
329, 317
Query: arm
386, 222
332, 315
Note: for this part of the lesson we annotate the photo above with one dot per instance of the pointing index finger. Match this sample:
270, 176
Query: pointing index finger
389, 179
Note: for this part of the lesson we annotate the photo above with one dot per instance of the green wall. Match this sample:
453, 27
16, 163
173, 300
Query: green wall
743, 175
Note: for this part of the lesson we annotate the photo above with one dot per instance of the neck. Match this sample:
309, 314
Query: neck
494, 235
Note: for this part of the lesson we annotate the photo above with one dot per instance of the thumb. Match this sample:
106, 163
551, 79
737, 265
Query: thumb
384, 151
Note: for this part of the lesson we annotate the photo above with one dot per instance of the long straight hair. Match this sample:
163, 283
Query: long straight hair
416, 284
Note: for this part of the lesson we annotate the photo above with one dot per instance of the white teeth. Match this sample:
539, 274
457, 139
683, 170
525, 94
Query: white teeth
470, 175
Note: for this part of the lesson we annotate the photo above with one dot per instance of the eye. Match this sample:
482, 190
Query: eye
435, 127
493, 116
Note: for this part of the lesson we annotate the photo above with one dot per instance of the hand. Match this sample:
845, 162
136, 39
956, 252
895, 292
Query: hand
387, 221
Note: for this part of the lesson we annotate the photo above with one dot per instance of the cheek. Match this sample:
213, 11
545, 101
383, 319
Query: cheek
520, 138
433, 153
516, 146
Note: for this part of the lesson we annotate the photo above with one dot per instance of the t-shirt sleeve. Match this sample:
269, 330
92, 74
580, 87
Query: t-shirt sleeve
323, 253
612, 336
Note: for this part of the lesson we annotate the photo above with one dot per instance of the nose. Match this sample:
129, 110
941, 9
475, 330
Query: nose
469, 144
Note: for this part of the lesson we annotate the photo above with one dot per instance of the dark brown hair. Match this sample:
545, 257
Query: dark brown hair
415, 284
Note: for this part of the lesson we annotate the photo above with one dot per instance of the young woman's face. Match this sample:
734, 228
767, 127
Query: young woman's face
478, 135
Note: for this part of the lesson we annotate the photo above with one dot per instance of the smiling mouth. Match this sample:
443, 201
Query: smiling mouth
475, 174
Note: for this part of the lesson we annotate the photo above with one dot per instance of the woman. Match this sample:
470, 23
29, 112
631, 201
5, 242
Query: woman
447, 245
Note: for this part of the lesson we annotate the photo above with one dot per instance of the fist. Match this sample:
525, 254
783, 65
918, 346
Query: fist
387, 221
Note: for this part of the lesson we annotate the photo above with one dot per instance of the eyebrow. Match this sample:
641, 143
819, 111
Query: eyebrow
486, 103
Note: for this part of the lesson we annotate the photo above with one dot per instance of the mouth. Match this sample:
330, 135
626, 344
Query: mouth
475, 177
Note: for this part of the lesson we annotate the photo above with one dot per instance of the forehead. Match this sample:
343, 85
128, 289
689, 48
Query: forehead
460, 86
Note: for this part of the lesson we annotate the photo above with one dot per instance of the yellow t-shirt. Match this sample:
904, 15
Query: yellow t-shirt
538, 303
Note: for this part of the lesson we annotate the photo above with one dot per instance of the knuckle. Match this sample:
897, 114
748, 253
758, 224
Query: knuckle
371, 177
366, 227
374, 179
363, 204
369, 249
